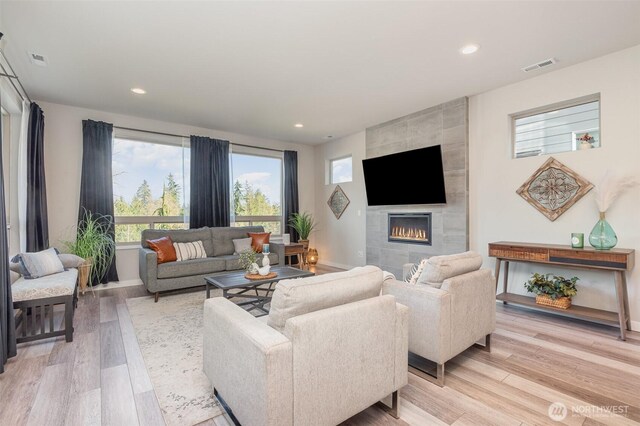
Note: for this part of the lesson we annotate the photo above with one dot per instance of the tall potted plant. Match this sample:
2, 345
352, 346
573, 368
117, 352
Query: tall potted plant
95, 244
303, 224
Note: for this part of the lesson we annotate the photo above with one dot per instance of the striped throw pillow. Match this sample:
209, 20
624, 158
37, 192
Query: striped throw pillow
188, 251
416, 271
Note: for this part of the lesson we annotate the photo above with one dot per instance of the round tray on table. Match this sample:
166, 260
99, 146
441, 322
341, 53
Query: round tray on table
260, 277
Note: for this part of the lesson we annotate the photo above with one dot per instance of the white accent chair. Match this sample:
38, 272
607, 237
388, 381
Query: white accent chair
331, 347
452, 307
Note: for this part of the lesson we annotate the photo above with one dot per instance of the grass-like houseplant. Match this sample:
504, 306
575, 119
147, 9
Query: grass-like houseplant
303, 224
95, 244
552, 290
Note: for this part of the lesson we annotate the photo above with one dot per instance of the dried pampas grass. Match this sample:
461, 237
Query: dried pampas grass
611, 187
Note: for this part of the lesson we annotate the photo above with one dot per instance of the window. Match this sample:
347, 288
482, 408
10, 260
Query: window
257, 191
341, 170
150, 186
568, 126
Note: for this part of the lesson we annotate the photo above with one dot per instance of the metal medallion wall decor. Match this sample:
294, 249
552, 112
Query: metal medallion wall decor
554, 188
338, 202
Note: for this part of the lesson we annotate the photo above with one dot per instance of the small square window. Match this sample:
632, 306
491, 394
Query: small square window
341, 170
567, 126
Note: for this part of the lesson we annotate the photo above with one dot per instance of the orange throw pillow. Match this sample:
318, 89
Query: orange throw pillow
258, 239
164, 248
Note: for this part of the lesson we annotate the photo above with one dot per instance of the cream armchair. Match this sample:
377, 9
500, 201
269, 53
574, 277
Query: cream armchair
330, 347
452, 307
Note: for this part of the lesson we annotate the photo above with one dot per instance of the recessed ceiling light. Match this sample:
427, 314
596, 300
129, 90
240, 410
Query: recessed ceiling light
138, 91
469, 49
298, 125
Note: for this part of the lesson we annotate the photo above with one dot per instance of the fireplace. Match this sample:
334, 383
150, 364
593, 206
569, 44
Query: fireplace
410, 228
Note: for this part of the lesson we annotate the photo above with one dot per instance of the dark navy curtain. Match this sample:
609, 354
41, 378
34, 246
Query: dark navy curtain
210, 202
37, 219
291, 190
96, 185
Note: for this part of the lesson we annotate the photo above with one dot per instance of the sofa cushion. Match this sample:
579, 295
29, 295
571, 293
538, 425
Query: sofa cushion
190, 267
258, 239
241, 244
164, 249
186, 251
59, 284
180, 236
295, 297
232, 261
223, 237
440, 268
39, 264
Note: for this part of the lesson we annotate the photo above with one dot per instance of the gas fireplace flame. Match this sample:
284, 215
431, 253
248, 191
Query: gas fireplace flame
401, 232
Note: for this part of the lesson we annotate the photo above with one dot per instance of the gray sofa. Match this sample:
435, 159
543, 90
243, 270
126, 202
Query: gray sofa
218, 245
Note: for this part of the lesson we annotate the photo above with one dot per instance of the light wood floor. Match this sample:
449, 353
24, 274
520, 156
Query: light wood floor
536, 359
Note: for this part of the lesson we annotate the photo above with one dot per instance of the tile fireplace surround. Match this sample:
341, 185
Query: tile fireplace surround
445, 125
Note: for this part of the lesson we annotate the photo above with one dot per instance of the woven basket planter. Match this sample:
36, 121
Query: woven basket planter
560, 302
84, 271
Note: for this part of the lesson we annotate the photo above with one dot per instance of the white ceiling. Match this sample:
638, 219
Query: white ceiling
258, 68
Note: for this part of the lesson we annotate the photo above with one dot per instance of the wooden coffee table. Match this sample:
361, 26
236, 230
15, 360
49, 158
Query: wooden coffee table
236, 280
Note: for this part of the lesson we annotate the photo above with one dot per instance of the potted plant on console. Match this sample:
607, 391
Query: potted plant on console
552, 290
303, 224
95, 244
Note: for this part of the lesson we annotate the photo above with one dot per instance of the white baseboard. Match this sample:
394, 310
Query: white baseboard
118, 284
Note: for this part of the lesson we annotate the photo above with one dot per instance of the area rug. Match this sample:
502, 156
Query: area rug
170, 337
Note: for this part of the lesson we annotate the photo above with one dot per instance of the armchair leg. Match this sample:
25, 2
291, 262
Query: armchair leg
157, 296
437, 379
487, 344
393, 410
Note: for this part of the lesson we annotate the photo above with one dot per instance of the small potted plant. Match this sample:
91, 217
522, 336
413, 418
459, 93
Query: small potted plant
586, 141
248, 261
552, 290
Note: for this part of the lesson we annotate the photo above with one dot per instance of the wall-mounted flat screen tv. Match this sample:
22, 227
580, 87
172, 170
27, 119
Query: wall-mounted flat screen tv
410, 177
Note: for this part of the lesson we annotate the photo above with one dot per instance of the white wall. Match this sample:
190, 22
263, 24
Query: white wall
12, 104
341, 243
498, 213
63, 159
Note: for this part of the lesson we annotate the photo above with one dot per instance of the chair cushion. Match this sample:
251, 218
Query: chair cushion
295, 297
70, 260
186, 251
60, 284
191, 267
223, 237
40, 264
163, 247
440, 268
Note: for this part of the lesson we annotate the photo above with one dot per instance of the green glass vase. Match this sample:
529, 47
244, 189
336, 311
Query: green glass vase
602, 236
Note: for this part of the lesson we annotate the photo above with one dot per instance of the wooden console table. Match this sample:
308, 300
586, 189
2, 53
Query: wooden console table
617, 261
